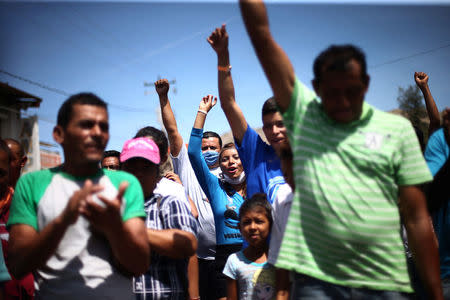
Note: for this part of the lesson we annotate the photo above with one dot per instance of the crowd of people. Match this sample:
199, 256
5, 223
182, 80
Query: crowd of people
341, 203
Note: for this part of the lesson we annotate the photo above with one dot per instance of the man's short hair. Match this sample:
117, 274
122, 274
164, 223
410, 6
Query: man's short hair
111, 153
158, 137
209, 134
18, 144
4, 147
336, 58
270, 106
65, 111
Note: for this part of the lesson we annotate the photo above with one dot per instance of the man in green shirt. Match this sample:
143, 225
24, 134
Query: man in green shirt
78, 227
355, 168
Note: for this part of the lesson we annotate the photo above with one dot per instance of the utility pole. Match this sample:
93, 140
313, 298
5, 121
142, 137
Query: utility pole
152, 85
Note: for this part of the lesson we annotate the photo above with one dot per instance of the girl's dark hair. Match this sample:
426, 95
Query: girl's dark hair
257, 200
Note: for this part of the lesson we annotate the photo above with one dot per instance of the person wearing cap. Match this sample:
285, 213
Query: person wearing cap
170, 184
171, 228
78, 227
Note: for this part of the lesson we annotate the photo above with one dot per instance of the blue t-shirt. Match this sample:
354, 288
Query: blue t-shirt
225, 208
261, 165
436, 154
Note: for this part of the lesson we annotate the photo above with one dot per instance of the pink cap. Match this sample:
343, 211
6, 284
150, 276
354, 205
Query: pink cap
140, 147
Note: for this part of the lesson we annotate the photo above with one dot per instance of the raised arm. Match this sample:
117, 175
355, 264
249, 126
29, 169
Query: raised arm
204, 107
207, 180
421, 80
275, 62
175, 140
219, 42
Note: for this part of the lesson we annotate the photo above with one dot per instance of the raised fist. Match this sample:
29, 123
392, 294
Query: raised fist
421, 79
162, 87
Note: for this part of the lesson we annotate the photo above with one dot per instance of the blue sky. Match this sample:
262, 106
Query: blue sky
112, 48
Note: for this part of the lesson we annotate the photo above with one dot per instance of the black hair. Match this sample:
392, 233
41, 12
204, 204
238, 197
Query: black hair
257, 200
65, 111
336, 58
111, 153
4, 147
270, 106
158, 137
226, 147
208, 134
227, 187
17, 143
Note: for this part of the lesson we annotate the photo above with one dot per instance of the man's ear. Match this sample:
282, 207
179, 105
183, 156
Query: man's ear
23, 161
58, 134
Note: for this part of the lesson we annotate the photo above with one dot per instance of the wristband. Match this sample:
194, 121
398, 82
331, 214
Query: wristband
224, 68
203, 111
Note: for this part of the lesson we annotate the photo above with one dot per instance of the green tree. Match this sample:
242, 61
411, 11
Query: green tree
410, 101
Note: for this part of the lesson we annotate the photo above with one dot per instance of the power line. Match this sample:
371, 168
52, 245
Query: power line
57, 91
409, 56
64, 93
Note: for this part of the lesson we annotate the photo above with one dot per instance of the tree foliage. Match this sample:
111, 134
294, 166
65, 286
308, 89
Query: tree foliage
410, 101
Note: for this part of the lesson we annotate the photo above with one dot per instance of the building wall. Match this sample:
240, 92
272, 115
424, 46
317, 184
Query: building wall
49, 159
9, 123
24, 130
29, 138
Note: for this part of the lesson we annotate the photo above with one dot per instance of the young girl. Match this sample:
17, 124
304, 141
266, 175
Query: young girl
250, 276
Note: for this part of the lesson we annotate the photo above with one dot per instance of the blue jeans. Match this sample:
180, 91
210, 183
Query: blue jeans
306, 287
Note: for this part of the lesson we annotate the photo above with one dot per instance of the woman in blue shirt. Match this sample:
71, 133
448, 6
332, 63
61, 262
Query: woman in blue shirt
225, 194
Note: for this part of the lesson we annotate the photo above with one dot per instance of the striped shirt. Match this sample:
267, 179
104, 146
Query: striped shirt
166, 277
344, 224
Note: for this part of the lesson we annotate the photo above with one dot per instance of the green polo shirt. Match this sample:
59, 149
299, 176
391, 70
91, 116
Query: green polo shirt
344, 224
